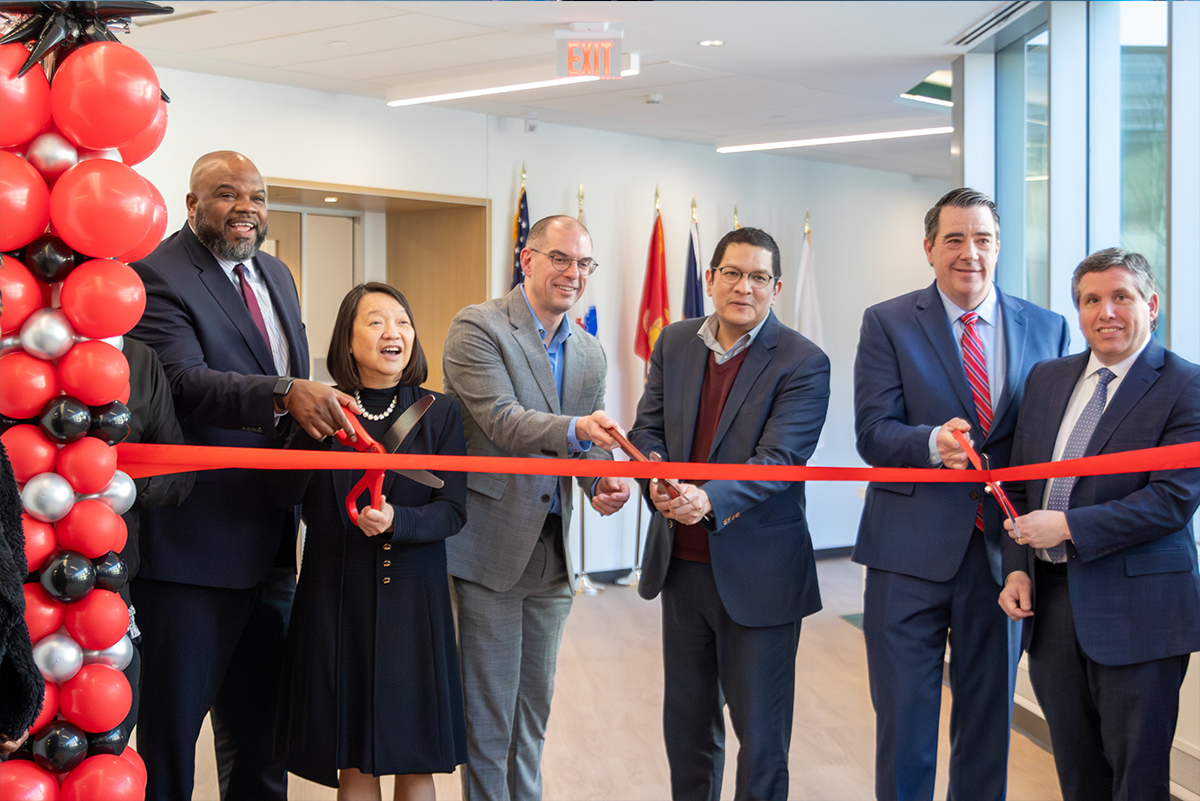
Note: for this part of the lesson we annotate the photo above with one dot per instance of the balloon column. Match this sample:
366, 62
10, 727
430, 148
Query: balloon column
73, 213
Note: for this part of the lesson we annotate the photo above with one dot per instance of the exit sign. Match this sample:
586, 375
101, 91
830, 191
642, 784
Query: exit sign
589, 57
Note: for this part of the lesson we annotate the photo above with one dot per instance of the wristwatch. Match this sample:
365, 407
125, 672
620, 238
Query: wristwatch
283, 385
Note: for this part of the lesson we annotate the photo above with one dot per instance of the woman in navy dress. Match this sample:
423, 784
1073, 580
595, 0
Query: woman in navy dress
373, 685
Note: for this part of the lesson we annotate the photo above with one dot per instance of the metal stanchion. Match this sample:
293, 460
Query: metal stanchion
583, 584
632, 578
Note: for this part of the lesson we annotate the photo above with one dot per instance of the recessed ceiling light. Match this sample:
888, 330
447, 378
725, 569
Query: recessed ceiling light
836, 140
331, 199
710, 43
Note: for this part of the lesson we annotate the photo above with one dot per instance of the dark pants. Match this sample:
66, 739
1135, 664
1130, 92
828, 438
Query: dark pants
907, 622
709, 661
220, 650
1111, 726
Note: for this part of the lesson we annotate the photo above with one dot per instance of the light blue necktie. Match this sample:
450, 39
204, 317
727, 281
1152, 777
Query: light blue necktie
1060, 490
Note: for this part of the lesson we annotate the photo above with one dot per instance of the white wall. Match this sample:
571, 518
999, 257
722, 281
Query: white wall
866, 224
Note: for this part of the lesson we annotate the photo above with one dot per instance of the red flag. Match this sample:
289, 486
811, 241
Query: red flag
653, 314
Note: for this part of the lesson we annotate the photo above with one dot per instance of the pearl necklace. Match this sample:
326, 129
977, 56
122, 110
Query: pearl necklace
382, 415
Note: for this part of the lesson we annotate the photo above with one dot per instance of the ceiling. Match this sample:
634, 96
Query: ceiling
787, 70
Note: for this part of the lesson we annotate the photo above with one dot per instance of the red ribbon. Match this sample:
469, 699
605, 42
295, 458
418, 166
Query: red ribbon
140, 459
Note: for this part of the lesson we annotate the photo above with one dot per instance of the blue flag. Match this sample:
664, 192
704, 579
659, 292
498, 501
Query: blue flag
693, 290
520, 234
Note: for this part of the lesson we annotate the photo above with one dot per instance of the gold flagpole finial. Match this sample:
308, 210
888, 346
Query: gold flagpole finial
694, 210
656, 197
736, 224
581, 201
807, 222
522, 175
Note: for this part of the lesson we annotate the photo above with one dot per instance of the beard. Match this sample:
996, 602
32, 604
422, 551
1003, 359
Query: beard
215, 240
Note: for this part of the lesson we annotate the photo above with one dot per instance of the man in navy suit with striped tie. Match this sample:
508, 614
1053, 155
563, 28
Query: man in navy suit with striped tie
950, 357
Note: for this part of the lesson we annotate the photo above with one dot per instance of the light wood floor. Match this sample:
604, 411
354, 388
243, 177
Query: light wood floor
605, 737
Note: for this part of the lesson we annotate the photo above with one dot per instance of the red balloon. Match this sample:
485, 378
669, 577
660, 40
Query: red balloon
89, 464
122, 535
148, 140
97, 698
103, 298
49, 706
30, 451
25, 100
21, 293
158, 227
91, 528
23, 780
96, 622
124, 396
134, 758
104, 95
101, 207
43, 614
24, 202
94, 372
40, 541
26, 384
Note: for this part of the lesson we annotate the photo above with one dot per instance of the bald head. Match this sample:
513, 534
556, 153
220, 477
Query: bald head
227, 205
562, 222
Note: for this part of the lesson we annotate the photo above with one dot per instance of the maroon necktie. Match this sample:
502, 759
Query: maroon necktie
977, 378
252, 303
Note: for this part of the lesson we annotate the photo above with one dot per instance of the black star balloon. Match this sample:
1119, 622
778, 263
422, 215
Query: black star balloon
58, 27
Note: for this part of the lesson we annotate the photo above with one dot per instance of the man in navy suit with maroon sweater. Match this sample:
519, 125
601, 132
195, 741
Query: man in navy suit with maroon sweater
732, 559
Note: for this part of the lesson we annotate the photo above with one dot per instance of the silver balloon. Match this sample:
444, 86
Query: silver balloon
58, 657
9, 344
119, 495
47, 334
112, 154
48, 497
51, 155
116, 656
117, 342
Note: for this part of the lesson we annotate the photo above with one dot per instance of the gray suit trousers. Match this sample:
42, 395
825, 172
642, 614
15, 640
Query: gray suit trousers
508, 643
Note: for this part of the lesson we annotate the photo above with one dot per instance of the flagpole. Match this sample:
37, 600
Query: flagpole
583, 584
632, 578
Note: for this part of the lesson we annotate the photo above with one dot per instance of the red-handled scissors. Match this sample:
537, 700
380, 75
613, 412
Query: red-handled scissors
992, 486
372, 479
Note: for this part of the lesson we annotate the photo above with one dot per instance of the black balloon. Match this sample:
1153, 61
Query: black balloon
65, 419
112, 742
111, 572
110, 422
8, 422
49, 259
58, 746
67, 576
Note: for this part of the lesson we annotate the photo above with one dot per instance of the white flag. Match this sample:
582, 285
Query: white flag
807, 317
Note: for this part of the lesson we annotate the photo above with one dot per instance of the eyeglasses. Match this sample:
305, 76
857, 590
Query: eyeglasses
732, 275
562, 261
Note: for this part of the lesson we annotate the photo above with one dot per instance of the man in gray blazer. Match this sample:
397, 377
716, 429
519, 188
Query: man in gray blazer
531, 383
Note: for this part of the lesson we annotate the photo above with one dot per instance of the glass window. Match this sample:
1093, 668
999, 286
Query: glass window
1023, 166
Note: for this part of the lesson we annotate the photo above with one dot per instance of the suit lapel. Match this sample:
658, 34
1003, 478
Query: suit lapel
229, 299
525, 332
931, 316
1015, 333
1137, 382
573, 366
757, 358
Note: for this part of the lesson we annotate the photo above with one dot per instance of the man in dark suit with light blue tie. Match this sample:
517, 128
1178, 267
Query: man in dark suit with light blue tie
950, 357
217, 576
733, 560
1102, 569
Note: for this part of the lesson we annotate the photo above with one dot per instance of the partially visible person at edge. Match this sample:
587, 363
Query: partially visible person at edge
372, 678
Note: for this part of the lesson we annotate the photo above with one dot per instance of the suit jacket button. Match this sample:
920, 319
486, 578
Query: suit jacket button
387, 580
545, 499
387, 546
387, 562
974, 495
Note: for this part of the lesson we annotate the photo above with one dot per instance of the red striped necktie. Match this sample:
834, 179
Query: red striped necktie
252, 302
977, 378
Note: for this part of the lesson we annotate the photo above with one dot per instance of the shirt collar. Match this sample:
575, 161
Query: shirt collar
564, 328
988, 308
1121, 368
708, 333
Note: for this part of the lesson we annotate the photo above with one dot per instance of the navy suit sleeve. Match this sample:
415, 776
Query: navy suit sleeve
1162, 507
788, 437
884, 437
205, 396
